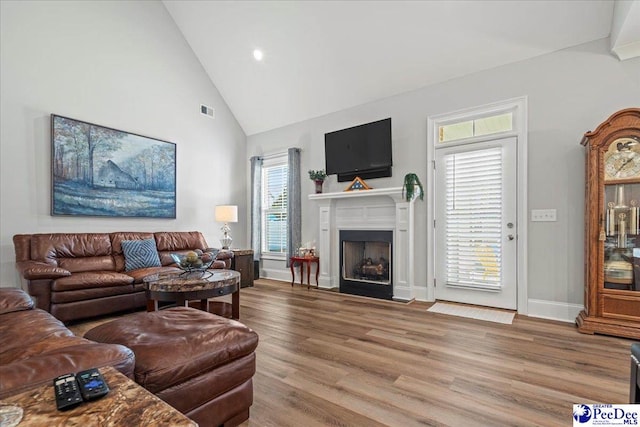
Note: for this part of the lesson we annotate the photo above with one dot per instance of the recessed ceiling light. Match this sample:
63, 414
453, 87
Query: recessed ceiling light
258, 54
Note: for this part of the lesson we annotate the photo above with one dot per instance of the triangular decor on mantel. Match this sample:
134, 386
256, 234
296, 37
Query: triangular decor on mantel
357, 184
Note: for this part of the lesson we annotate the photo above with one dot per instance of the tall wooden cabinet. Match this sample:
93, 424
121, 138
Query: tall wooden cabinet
612, 234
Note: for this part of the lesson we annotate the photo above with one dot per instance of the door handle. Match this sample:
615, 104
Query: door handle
511, 237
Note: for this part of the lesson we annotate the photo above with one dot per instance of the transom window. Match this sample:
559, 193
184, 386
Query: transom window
274, 205
489, 125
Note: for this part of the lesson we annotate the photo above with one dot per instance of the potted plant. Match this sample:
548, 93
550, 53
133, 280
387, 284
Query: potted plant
412, 187
318, 177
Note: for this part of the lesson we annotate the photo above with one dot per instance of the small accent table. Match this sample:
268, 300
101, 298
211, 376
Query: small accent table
180, 287
126, 404
302, 260
242, 262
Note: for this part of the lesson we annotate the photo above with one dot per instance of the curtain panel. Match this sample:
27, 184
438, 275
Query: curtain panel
256, 206
294, 206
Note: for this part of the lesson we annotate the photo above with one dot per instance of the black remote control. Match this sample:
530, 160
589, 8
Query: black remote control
92, 384
67, 392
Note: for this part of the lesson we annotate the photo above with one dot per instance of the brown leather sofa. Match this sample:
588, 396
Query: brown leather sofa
35, 347
80, 275
199, 363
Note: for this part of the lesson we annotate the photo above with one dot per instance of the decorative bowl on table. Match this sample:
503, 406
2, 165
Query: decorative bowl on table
194, 261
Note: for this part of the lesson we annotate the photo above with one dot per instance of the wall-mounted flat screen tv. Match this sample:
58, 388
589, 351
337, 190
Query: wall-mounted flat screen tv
363, 151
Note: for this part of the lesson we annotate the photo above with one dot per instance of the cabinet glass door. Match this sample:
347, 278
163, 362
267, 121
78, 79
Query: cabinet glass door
621, 235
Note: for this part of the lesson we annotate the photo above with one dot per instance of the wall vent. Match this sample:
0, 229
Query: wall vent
207, 111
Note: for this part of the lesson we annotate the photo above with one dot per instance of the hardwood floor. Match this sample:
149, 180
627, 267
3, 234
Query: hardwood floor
330, 359
327, 359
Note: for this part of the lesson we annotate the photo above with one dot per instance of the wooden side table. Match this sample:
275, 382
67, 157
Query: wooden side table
302, 260
242, 262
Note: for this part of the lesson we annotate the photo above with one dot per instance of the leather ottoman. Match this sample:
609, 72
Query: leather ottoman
199, 363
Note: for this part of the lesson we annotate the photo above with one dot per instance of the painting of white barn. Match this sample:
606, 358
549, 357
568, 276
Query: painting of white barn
99, 171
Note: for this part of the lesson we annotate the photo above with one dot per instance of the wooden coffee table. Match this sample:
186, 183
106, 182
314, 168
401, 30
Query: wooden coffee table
178, 287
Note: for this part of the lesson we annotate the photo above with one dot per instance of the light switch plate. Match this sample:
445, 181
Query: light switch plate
541, 215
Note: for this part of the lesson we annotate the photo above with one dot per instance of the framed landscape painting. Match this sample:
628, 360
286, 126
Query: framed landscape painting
99, 171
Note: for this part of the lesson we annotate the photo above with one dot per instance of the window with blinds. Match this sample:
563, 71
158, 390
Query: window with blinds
474, 218
274, 208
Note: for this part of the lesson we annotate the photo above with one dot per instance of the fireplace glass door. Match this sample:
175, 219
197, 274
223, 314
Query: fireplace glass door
366, 263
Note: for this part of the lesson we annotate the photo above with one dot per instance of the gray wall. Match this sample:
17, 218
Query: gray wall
123, 65
569, 92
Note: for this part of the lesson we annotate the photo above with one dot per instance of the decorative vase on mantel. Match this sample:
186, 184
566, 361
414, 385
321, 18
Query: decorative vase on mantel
318, 177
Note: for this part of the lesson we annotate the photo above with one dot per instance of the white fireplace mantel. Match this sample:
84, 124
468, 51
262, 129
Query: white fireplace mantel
395, 193
375, 209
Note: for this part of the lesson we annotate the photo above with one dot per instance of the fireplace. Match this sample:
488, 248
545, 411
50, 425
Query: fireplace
372, 210
366, 263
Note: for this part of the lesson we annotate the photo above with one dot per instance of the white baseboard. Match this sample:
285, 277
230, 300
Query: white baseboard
420, 293
553, 310
285, 276
275, 274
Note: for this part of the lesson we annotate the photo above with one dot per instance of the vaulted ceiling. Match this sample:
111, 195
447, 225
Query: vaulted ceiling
326, 56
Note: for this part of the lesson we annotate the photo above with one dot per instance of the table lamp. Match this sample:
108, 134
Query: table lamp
226, 214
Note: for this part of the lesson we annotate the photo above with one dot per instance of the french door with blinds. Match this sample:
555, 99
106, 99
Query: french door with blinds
475, 227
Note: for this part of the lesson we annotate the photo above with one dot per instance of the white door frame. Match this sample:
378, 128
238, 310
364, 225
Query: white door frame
518, 106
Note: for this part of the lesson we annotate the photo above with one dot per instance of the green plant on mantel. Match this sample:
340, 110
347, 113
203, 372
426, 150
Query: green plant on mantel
317, 175
411, 182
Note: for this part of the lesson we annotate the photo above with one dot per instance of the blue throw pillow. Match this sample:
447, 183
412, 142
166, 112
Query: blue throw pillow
140, 254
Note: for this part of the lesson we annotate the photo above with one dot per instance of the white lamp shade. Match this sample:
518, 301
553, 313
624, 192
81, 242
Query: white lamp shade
227, 213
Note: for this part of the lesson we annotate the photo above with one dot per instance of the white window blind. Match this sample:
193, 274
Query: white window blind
274, 209
474, 218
